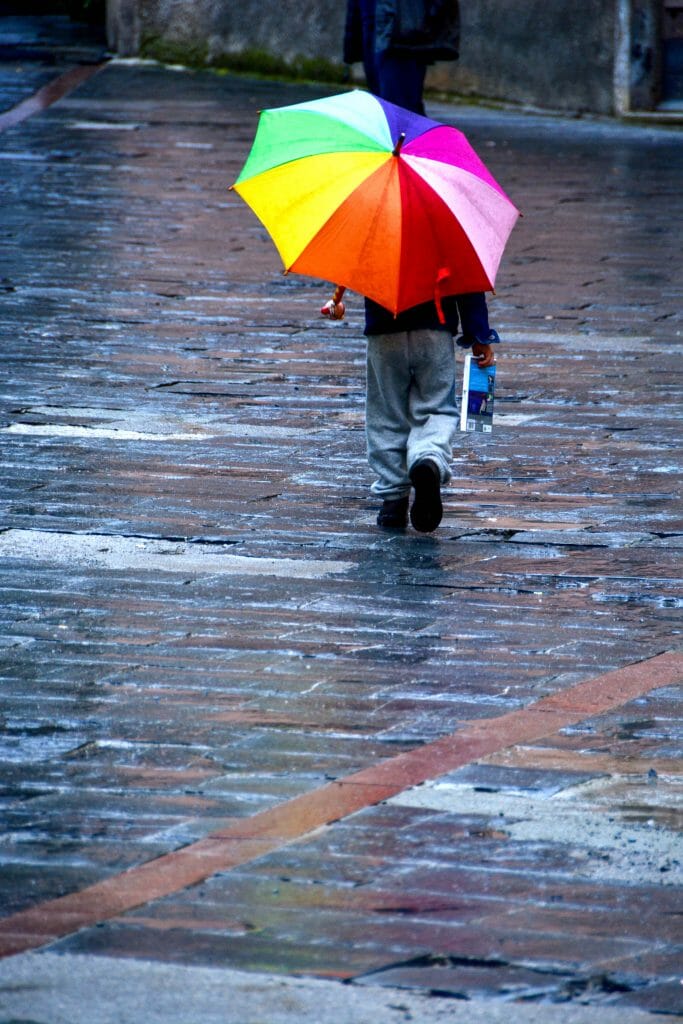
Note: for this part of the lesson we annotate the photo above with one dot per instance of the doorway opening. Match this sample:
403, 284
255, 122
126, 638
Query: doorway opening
671, 36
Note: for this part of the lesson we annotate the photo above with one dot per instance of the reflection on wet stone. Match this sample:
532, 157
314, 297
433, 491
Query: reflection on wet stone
168, 396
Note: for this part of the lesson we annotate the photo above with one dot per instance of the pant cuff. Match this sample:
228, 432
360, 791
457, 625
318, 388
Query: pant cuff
438, 458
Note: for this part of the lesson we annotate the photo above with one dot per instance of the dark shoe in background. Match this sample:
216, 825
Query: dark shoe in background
393, 514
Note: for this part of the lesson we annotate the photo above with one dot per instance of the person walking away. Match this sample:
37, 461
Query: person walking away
411, 405
411, 413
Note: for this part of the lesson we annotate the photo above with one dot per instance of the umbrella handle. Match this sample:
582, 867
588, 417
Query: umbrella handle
335, 308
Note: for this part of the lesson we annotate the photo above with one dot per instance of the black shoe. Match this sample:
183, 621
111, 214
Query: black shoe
393, 514
427, 510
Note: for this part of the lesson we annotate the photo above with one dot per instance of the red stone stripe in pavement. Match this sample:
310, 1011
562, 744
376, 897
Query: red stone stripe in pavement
48, 95
296, 819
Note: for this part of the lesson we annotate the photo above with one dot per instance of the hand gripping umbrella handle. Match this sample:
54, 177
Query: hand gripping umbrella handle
335, 308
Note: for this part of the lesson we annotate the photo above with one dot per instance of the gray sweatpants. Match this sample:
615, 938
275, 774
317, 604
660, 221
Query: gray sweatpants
411, 410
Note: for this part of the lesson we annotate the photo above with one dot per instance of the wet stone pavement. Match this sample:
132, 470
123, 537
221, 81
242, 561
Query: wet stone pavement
207, 644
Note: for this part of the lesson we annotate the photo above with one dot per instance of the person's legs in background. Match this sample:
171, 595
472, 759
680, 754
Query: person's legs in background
401, 80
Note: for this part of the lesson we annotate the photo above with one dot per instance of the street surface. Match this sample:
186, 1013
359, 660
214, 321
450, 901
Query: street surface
262, 762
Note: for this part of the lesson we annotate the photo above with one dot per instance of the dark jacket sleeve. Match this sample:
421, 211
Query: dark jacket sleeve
353, 34
429, 29
474, 316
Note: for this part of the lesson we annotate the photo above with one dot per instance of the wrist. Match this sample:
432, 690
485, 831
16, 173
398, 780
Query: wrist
468, 340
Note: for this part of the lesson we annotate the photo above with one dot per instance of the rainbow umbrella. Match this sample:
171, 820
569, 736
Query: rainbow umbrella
365, 194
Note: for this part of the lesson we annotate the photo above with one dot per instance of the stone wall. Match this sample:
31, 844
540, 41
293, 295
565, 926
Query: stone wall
290, 31
552, 54
546, 53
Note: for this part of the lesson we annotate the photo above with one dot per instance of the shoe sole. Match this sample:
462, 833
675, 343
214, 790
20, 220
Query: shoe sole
427, 510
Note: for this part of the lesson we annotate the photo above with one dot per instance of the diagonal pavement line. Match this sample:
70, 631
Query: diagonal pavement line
299, 818
49, 94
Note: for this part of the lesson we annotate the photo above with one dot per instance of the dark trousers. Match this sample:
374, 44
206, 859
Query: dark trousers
401, 80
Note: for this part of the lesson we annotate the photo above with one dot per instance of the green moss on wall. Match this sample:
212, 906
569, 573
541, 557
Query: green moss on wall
168, 52
253, 62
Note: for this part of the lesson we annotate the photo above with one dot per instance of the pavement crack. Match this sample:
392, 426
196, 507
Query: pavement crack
167, 538
408, 911
437, 960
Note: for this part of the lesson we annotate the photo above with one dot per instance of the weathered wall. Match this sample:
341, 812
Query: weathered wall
549, 53
288, 30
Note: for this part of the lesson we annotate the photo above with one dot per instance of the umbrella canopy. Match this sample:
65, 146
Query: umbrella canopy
360, 192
